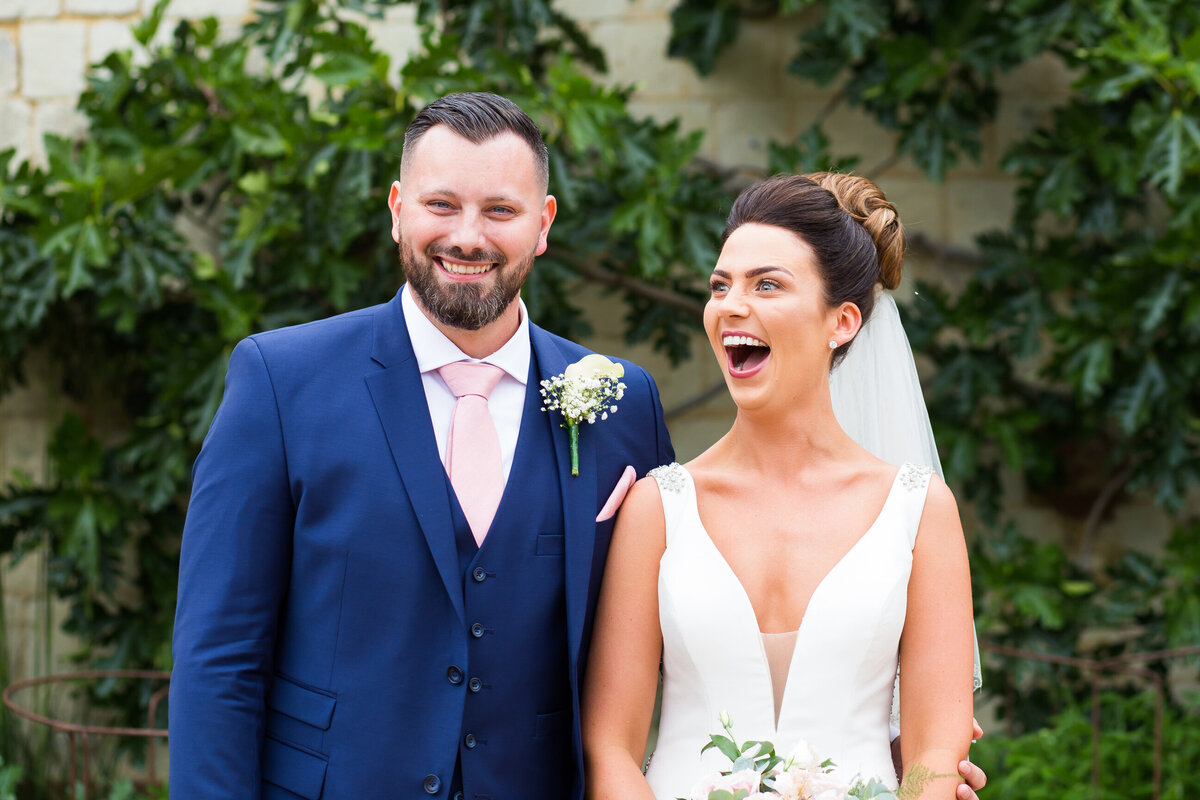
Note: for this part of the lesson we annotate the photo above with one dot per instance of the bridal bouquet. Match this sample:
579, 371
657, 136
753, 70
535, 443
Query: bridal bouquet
758, 773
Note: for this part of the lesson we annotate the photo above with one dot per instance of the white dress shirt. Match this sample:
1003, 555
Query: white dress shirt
507, 401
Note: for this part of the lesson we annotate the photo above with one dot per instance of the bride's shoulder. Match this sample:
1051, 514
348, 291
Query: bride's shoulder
940, 521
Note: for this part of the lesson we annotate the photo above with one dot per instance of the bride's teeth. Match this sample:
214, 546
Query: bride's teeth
747, 341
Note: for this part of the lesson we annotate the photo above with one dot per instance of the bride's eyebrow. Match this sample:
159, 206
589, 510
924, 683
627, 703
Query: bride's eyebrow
754, 273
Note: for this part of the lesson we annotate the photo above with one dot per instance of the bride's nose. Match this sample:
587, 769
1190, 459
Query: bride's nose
732, 305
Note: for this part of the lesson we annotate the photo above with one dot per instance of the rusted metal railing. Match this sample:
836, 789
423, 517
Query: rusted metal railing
79, 736
1130, 664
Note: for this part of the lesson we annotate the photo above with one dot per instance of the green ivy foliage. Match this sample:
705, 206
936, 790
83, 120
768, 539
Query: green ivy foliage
1056, 761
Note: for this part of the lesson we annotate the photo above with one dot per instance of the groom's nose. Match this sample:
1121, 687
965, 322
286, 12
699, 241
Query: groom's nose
468, 233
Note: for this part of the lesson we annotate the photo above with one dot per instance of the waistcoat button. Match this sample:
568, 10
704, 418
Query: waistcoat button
469, 741
474, 684
458, 796
454, 675
432, 784
477, 630
478, 574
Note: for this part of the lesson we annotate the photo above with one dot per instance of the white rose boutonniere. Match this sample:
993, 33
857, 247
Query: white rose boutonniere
586, 391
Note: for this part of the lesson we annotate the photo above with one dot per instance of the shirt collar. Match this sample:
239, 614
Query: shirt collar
434, 350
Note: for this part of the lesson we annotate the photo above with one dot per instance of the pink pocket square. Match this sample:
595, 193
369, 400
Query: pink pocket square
628, 478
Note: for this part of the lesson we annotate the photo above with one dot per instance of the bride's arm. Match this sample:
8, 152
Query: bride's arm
622, 669
936, 652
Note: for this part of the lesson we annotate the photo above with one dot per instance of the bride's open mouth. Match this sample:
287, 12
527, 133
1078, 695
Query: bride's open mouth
745, 354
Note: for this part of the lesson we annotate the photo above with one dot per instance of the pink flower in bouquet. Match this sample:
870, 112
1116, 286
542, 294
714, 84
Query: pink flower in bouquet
746, 779
824, 786
804, 756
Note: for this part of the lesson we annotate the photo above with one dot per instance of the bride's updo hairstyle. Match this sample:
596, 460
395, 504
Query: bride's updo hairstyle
849, 223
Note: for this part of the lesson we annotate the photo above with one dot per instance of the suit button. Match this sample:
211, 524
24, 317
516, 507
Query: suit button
458, 796
469, 741
454, 675
474, 684
432, 784
477, 630
478, 574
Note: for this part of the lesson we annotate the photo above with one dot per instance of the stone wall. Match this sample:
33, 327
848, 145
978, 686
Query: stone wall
46, 45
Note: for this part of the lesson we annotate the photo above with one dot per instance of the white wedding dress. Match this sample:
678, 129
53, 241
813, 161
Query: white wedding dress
838, 690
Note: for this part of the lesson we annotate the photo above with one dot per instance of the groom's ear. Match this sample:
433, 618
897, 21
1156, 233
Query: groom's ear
847, 319
394, 207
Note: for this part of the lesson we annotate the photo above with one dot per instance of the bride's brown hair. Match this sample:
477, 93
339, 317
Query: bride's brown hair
849, 223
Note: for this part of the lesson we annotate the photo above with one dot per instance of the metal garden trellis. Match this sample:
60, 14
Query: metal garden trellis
79, 736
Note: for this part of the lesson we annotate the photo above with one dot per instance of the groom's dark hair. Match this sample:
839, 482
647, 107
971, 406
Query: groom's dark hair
478, 117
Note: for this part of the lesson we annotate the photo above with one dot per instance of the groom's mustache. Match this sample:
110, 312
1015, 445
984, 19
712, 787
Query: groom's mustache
475, 257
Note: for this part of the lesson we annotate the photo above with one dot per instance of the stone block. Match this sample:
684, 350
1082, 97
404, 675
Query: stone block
59, 117
205, 8
102, 8
1044, 76
585, 11
29, 9
399, 38
8, 63
1018, 116
745, 127
637, 54
53, 59
752, 67
107, 36
852, 132
24, 446
976, 205
15, 115
920, 202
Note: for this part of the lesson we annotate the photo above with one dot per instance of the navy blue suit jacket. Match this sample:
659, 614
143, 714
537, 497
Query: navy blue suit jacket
320, 595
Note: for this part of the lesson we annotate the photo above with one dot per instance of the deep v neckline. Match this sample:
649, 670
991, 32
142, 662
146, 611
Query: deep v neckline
816, 589
758, 633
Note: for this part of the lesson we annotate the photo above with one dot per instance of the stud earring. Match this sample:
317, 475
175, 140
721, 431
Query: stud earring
833, 344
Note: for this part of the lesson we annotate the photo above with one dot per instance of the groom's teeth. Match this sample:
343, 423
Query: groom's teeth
746, 341
465, 269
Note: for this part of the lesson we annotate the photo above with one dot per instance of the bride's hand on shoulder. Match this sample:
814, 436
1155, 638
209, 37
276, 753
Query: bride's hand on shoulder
936, 648
622, 670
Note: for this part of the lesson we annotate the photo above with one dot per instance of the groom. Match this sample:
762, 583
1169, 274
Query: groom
383, 591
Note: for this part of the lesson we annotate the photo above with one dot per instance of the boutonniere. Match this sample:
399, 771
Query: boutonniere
586, 391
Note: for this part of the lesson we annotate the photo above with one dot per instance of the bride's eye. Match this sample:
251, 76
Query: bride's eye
717, 286
768, 284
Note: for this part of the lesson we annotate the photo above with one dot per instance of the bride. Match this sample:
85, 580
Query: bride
782, 574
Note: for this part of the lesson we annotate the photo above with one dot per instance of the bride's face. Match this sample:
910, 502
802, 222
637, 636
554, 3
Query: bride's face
767, 319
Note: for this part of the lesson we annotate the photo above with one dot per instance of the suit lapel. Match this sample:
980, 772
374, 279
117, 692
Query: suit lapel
399, 399
578, 498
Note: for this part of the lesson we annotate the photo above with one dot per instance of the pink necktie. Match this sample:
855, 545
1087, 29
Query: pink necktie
473, 450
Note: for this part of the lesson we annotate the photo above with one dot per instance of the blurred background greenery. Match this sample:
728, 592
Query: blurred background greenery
234, 181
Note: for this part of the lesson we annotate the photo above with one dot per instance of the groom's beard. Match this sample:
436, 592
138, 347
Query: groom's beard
464, 305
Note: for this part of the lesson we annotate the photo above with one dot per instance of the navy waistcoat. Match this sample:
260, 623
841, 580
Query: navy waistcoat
517, 722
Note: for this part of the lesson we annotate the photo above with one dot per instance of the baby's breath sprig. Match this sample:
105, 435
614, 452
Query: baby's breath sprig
586, 391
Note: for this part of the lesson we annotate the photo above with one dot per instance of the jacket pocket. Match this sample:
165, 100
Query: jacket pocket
299, 771
302, 703
550, 544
